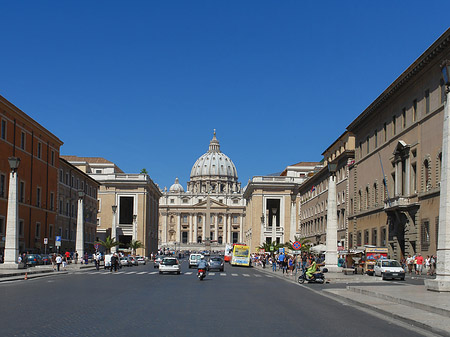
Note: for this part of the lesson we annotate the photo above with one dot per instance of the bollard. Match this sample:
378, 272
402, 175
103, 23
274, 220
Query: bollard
26, 276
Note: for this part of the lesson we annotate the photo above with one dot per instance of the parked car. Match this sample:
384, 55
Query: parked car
46, 259
169, 265
124, 262
389, 269
194, 259
133, 260
33, 260
141, 260
216, 263
157, 262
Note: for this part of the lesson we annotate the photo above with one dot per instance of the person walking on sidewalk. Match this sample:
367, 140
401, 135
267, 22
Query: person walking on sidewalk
58, 262
410, 263
274, 263
419, 262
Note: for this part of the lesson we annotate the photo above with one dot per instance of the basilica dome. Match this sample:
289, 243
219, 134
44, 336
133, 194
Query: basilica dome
176, 187
214, 164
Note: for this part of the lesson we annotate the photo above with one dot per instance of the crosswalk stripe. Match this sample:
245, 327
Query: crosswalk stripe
246, 275
223, 274
188, 273
212, 274
234, 274
120, 272
153, 273
95, 272
257, 275
131, 272
142, 272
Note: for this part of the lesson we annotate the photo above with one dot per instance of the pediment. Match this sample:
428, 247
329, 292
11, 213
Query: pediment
401, 145
213, 203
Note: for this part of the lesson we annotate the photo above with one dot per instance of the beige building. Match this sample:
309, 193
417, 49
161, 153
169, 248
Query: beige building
72, 180
313, 194
272, 211
136, 199
212, 207
400, 133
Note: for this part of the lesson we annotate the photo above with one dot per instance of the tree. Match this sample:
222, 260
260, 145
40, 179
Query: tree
108, 243
135, 245
276, 246
144, 171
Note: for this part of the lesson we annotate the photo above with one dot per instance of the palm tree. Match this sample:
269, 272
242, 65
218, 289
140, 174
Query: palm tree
135, 245
144, 171
304, 242
108, 243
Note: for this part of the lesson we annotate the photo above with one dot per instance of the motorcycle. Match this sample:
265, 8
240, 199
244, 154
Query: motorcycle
201, 274
317, 277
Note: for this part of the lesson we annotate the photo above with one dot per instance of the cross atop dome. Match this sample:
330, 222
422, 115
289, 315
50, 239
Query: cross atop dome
214, 145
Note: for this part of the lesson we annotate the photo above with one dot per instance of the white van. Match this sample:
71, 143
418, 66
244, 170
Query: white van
194, 259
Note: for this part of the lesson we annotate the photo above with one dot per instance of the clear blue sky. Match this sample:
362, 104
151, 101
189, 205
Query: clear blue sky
144, 83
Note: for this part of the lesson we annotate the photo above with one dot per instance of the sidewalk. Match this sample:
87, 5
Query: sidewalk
40, 271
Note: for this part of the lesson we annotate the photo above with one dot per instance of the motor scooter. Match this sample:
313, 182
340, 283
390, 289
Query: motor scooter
201, 274
317, 277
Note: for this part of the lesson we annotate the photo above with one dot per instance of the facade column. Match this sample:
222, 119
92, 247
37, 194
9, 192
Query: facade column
195, 227
216, 226
396, 180
178, 229
241, 228
293, 223
408, 176
230, 239
164, 229
114, 228
79, 246
189, 240
442, 281
204, 228
12, 222
274, 225
331, 253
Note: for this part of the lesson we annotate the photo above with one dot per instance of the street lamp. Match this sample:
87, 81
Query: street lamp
442, 281
12, 222
135, 226
331, 235
114, 228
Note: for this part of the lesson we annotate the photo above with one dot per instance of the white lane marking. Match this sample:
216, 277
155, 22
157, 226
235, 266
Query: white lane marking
131, 272
120, 272
234, 274
153, 273
246, 275
95, 272
269, 276
223, 274
142, 272
212, 274
257, 275
188, 273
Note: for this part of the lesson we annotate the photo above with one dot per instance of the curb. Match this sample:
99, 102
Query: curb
417, 305
32, 276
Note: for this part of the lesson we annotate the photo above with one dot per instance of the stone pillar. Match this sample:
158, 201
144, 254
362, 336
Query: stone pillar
114, 228
396, 180
442, 281
204, 228
408, 176
230, 239
12, 224
195, 227
164, 228
293, 223
331, 253
79, 245
274, 225
241, 228
216, 227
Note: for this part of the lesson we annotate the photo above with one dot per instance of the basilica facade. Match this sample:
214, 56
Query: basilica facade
210, 210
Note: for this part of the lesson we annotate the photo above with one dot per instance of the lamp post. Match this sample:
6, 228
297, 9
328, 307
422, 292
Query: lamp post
114, 228
442, 281
12, 223
135, 226
79, 245
331, 235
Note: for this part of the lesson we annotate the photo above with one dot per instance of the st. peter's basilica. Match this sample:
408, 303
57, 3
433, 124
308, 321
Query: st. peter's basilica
213, 192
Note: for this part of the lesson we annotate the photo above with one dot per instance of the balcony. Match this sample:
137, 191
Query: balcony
399, 203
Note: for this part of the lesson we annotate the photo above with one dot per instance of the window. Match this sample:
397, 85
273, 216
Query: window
50, 231
358, 238
53, 158
39, 150
374, 237
38, 230
185, 219
67, 178
172, 201
3, 129
60, 207
2, 185
185, 201
350, 240
393, 126
236, 218
414, 177
425, 235
414, 112
2, 225
61, 176
22, 140
427, 101
366, 237
52, 198
383, 237
38, 197
98, 171
404, 117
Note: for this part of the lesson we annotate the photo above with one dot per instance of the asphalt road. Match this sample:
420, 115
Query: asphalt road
140, 302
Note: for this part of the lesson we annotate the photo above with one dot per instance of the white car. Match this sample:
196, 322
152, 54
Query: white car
141, 260
169, 265
389, 269
194, 260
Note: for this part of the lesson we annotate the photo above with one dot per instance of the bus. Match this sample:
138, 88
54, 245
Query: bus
228, 252
241, 255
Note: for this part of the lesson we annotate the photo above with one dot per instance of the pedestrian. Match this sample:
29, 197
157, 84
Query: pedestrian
64, 262
75, 255
113, 261
432, 265
58, 262
274, 263
304, 261
410, 264
291, 265
86, 258
54, 261
419, 264
427, 264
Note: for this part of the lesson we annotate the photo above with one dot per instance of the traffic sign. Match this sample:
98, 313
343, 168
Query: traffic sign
271, 248
296, 245
281, 250
96, 246
58, 241
45, 241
